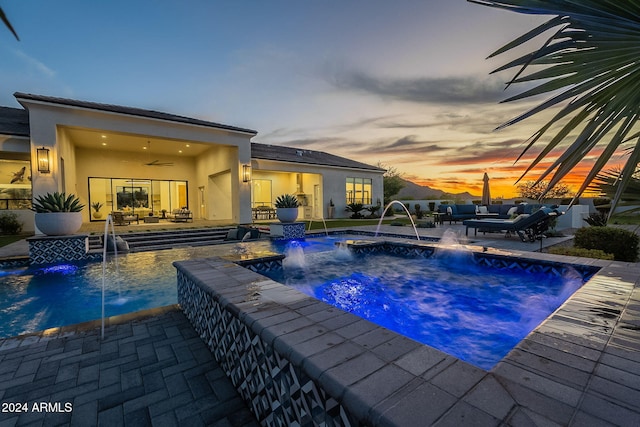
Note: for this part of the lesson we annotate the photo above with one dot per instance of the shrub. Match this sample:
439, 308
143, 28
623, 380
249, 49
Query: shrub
9, 223
587, 253
426, 224
356, 208
419, 213
621, 243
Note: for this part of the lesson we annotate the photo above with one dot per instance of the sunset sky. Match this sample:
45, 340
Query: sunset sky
405, 83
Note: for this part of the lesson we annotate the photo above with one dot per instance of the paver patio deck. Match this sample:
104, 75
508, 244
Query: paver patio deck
153, 369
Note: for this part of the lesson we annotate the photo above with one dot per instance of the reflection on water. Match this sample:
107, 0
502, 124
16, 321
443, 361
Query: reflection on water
475, 313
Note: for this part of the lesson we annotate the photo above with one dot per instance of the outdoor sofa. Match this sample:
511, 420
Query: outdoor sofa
181, 215
457, 212
528, 227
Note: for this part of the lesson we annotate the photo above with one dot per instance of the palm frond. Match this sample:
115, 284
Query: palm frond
591, 72
7, 24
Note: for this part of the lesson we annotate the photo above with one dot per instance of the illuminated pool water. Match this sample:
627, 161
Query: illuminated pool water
474, 312
34, 299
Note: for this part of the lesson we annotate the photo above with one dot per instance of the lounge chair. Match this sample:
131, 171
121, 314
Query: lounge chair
528, 227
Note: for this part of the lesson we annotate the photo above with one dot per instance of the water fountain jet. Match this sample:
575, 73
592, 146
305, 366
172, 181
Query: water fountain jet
294, 256
326, 232
108, 221
413, 224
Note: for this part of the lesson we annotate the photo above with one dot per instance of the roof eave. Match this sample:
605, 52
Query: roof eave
127, 111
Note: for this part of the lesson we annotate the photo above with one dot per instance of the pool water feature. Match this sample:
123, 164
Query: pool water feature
474, 312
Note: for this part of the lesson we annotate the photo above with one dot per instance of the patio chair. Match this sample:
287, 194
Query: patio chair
120, 218
528, 227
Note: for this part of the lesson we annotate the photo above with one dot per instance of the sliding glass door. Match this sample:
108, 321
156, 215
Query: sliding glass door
141, 196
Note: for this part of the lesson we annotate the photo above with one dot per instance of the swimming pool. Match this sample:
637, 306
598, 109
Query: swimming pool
474, 312
38, 298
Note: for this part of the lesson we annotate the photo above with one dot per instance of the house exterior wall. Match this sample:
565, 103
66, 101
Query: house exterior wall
227, 198
47, 127
331, 179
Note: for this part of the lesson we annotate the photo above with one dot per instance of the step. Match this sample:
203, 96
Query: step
137, 238
154, 240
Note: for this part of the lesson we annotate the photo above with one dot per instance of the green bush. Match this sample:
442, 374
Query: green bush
587, 253
9, 223
621, 243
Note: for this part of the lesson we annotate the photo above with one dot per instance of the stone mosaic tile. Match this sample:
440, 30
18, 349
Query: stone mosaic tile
49, 250
278, 391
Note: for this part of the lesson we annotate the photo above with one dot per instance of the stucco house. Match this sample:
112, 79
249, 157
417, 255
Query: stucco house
148, 161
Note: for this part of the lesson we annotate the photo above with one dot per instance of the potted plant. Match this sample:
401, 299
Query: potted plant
58, 214
287, 208
330, 209
96, 207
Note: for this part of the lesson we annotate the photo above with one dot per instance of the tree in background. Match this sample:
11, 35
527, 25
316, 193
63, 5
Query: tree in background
392, 182
538, 190
588, 66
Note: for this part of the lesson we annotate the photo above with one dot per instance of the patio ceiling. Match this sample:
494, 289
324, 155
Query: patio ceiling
97, 140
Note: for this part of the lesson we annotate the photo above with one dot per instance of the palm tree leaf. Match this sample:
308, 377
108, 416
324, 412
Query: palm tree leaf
591, 70
554, 22
8, 24
602, 160
625, 176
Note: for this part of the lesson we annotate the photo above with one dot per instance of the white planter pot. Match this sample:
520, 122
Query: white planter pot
287, 215
58, 223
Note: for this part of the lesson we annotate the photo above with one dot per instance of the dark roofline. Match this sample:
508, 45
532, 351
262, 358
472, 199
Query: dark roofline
129, 111
14, 122
281, 153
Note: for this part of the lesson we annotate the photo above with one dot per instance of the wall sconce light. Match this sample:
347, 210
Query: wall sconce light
42, 155
246, 173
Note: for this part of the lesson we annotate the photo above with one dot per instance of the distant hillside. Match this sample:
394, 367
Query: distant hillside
414, 191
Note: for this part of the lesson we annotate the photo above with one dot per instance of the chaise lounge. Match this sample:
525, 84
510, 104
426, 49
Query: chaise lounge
528, 227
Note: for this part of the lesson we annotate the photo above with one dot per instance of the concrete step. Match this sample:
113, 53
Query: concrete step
155, 240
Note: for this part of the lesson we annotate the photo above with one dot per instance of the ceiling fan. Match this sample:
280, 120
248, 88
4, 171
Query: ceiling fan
156, 162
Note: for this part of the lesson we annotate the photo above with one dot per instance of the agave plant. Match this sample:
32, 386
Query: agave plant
590, 69
57, 202
287, 201
97, 206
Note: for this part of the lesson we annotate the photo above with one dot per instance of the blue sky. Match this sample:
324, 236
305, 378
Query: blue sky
405, 83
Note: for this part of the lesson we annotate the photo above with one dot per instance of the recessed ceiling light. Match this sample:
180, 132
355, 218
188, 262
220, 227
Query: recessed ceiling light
187, 146
179, 151
103, 136
104, 143
144, 148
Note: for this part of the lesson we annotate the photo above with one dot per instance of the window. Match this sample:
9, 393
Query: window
15, 185
358, 190
141, 196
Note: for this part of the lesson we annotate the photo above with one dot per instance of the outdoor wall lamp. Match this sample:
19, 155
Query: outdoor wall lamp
246, 173
42, 155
